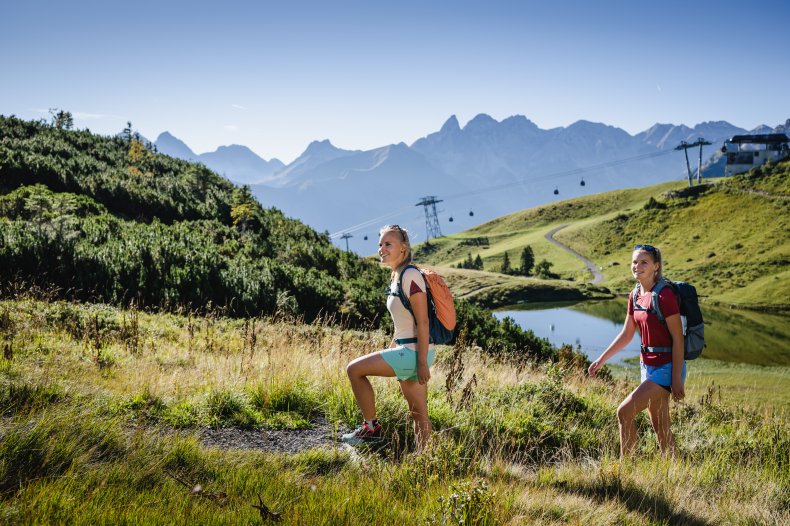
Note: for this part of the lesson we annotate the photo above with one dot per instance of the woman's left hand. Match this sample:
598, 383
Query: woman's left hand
678, 391
423, 373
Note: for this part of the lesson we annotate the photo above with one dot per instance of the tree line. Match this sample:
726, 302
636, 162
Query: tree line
528, 267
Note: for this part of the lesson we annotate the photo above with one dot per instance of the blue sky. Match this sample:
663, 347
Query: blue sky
276, 75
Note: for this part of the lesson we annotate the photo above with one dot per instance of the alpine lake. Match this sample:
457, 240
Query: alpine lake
731, 335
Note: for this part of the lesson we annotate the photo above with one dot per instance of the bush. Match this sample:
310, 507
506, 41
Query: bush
106, 219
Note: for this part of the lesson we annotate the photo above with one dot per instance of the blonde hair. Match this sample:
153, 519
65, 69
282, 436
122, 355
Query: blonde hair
404, 236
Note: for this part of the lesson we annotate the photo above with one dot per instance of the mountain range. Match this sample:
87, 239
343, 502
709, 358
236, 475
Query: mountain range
238, 163
486, 169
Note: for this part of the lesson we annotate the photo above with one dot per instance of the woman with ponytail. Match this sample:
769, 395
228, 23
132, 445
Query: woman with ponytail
410, 354
663, 369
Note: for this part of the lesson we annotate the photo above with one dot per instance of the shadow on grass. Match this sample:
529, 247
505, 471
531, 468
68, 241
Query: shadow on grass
653, 507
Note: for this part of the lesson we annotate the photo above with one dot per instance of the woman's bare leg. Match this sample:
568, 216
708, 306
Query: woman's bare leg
358, 371
647, 394
416, 395
658, 408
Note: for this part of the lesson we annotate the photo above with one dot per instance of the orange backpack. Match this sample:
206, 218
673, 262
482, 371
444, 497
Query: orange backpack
441, 308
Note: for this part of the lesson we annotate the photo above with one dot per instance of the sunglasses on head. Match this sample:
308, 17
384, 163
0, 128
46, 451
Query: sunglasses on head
399, 229
649, 248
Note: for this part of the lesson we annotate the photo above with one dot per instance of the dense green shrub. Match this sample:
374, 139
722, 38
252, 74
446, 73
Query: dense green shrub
108, 219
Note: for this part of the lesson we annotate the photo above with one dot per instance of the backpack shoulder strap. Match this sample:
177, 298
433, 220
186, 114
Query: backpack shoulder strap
401, 295
634, 297
655, 304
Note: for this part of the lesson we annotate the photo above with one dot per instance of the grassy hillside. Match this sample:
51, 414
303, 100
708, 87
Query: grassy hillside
492, 289
109, 219
101, 424
729, 237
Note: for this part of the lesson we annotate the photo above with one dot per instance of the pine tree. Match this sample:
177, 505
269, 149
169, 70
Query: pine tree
527, 260
243, 209
62, 119
127, 132
478, 265
506, 264
468, 262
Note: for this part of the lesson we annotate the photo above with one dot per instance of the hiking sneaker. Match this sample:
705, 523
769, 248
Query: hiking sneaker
362, 434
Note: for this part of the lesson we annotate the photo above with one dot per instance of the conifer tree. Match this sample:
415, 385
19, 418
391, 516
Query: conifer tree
506, 264
527, 260
62, 120
468, 262
243, 209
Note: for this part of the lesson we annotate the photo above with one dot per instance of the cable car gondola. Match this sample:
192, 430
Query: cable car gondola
471, 213
556, 191
366, 237
451, 219
582, 183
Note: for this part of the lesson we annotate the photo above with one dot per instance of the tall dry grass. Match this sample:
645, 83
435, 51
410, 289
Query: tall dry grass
101, 408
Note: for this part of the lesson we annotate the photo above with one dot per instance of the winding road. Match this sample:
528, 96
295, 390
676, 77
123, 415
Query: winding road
597, 276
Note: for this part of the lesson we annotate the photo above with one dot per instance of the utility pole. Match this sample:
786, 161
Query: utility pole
431, 218
701, 142
346, 236
685, 146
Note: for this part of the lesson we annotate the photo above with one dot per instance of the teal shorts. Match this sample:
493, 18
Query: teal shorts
404, 361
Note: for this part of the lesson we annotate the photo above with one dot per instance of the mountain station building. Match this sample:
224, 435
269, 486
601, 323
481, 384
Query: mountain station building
745, 152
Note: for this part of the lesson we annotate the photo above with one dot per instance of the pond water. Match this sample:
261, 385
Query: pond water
730, 335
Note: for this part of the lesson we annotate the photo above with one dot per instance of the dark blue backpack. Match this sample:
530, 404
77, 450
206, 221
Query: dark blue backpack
690, 314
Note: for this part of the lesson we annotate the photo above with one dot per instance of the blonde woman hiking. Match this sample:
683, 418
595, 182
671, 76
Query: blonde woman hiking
410, 354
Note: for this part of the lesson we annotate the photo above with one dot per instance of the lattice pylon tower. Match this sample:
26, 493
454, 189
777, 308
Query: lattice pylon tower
432, 228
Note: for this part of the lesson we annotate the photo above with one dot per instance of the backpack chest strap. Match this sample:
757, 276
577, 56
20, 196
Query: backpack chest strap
655, 308
655, 349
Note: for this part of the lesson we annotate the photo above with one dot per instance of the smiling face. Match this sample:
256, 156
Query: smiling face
392, 250
643, 266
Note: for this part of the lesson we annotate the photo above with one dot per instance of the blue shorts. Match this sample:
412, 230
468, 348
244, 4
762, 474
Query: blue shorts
660, 374
404, 361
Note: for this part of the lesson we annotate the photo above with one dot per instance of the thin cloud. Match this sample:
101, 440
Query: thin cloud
239, 107
94, 116
231, 127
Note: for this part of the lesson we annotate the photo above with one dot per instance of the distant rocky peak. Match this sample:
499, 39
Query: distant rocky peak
585, 126
171, 145
451, 125
519, 121
230, 148
762, 129
320, 147
481, 121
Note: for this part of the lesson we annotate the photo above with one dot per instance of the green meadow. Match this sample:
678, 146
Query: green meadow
103, 410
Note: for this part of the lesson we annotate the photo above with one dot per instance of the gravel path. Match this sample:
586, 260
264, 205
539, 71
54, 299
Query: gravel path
597, 276
321, 435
